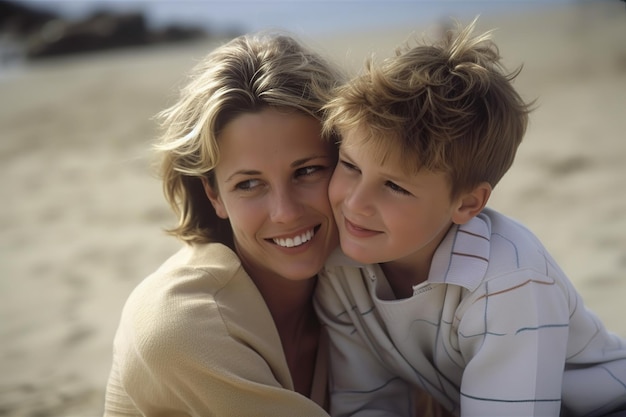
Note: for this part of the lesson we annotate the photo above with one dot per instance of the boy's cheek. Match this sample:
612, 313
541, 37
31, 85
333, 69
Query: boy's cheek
335, 190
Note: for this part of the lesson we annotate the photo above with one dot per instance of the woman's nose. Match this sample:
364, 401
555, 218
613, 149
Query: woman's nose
286, 206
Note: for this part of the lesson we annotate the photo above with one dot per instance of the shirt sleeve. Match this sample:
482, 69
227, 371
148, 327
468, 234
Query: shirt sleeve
179, 352
513, 334
360, 384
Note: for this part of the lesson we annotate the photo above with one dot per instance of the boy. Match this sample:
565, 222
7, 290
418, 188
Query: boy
448, 296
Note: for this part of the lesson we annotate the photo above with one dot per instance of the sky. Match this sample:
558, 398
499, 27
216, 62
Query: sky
309, 17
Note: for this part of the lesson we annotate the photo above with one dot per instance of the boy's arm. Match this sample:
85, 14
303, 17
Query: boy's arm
514, 336
360, 385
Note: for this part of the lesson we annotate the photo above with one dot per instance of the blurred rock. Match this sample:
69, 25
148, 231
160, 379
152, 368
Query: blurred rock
100, 31
20, 20
45, 34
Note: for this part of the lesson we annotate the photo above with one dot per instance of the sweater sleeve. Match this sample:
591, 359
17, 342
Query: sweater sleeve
183, 351
513, 335
360, 383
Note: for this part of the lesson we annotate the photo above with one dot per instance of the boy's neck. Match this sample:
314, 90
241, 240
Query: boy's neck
403, 277
405, 273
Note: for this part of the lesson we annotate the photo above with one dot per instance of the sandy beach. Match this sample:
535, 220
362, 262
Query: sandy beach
82, 218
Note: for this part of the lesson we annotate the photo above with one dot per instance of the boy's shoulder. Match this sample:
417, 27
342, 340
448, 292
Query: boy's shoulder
490, 245
509, 231
514, 248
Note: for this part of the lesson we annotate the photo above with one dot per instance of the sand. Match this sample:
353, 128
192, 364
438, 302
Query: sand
82, 214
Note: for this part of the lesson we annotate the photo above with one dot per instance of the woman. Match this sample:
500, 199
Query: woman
226, 326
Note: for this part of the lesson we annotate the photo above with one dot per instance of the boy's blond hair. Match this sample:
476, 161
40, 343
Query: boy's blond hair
448, 106
246, 75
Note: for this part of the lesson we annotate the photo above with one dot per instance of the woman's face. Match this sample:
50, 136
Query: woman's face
272, 184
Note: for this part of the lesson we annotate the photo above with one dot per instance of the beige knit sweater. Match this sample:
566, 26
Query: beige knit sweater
196, 339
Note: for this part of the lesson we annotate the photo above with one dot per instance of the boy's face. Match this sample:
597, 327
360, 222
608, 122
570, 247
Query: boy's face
385, 214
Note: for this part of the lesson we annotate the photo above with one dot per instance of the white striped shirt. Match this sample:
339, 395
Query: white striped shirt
496, 330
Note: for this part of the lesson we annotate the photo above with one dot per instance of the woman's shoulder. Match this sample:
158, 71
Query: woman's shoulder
196, 271
206, 267
186, 290
214, 258
188, 298
198, 317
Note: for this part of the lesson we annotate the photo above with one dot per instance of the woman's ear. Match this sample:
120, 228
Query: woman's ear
214, 198
471, 203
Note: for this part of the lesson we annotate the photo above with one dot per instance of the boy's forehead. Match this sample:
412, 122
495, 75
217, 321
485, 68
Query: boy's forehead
383, 150
387, 151
352, 133
363, 138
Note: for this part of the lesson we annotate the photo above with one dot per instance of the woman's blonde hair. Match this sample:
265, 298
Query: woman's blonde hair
448, 106
245, 75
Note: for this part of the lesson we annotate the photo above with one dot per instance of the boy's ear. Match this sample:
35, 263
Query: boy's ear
214, 198
471, 203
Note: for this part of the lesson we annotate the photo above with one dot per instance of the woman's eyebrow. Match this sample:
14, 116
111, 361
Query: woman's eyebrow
296, 163
246, 172
303, 161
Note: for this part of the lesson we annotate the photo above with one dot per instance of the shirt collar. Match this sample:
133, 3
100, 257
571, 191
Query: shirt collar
462, 257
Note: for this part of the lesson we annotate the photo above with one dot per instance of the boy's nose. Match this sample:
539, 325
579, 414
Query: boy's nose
359, 201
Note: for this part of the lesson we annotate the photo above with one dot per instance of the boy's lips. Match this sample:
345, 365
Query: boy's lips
358, 231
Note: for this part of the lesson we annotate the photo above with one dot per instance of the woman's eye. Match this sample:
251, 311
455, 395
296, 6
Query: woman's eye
247, 185
396, 188
309, 170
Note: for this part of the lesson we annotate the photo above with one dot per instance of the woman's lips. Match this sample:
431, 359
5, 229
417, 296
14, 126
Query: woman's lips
296, 240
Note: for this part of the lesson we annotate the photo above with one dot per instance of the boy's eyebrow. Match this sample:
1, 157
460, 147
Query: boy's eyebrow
399, 176
402, 179
343, 149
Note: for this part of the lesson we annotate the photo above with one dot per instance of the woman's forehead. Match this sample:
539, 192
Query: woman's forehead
270, 137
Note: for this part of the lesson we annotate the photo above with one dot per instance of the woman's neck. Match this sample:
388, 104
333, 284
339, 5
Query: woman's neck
290, 303
287, 300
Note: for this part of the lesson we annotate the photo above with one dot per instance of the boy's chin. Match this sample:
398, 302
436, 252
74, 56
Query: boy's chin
360, 255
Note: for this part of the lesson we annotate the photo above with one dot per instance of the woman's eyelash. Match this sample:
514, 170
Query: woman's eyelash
252, 183
310, 170
246, 185
307, 170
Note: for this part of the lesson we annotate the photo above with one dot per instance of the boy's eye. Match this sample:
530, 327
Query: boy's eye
348, 165
396, 188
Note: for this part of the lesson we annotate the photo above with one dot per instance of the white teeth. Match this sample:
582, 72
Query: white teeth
296, 241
